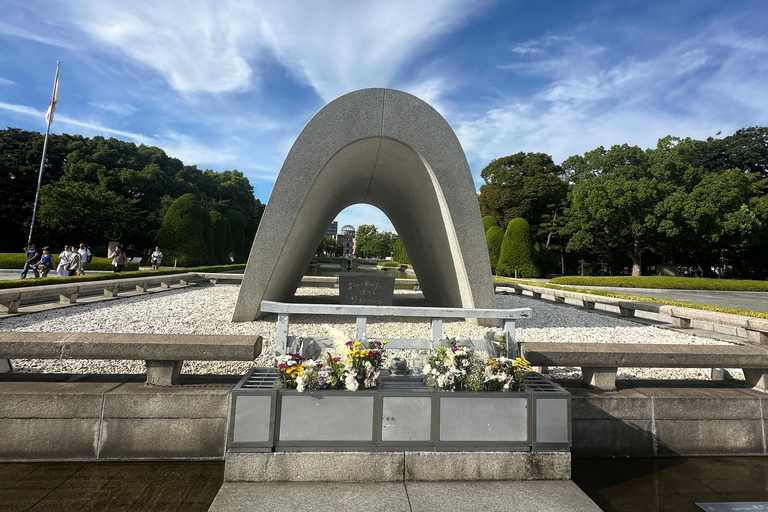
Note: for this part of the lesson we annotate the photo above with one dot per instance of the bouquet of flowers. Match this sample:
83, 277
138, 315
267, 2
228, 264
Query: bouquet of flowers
458, 368
290, 367
363, 366
506, 374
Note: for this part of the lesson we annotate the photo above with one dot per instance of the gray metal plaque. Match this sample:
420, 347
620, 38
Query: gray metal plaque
406, 418
320, 417
552, 420
252, 419
476, 418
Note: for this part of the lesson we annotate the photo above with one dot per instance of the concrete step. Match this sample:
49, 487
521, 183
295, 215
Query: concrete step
447, 496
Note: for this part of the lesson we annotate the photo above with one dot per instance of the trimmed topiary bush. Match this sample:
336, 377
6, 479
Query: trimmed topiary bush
181, 235
208, 237
494, 238
250, 234
490, 221
221, 232
237, 223
517, 252
398, 253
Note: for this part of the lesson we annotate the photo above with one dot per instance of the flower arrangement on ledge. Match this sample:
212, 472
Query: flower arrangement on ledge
362, 369
457, 368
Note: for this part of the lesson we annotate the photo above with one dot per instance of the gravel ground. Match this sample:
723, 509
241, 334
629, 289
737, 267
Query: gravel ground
197, 310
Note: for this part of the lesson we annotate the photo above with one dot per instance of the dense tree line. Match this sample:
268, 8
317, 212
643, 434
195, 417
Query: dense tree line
97, 189
697, 204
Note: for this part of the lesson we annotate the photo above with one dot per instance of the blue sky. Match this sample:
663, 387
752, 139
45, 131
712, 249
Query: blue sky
229, 85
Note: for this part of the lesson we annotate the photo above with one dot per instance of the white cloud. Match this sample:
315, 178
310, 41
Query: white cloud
210, 46
123, 109
4, 81
694, 88
358, 214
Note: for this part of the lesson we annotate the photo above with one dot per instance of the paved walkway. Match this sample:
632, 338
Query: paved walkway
751, 301
501, 496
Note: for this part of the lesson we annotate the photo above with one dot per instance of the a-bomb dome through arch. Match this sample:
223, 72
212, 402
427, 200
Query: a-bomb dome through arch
391, 150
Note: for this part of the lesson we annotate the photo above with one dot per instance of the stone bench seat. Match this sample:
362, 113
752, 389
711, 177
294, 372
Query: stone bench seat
756, 329
163, 353
68, 292
599, 361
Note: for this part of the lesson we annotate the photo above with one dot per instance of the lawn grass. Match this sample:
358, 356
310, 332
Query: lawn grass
664, 282
623, 296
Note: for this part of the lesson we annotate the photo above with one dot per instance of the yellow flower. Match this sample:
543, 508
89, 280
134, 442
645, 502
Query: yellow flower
357, 344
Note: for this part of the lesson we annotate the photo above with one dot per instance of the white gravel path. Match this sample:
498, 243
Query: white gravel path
197, 310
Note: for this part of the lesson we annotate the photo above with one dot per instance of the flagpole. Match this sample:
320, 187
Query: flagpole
51, 109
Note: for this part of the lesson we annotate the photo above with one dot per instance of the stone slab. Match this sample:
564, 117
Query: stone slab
314, 467
704, 404
48, 438
136, 400
76, 400
612, 438
541, 496
715, 437
366, 289
171, 438
443, 466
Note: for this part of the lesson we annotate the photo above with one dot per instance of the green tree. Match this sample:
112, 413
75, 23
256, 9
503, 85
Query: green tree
182, 233
208, 237
494, 238
78, 212
517, 252
526, 185
365, 240
614, 202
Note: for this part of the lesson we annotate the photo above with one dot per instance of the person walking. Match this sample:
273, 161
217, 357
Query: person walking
85, 258
46, 262
118, 259
33, 258
62, 269
157, 259
74, 262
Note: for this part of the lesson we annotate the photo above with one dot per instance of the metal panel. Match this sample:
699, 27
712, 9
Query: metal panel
406, 418
252, 419
325, 417
483, 418
552, 421
334, 309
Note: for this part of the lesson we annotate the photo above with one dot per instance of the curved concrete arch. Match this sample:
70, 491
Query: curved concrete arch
392, 150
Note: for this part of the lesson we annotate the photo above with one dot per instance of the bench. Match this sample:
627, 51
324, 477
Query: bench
163, 353
599, 361
756, 329
361, 314
68, 293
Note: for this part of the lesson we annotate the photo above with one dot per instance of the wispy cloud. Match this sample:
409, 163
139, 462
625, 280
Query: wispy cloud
695, 87
4, 81
123, 109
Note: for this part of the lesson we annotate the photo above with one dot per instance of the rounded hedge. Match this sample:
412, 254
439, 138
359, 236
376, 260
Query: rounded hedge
517, 251
237, 223
489, 221
208, 237
494, 238
181, 234
398, 253
220, 226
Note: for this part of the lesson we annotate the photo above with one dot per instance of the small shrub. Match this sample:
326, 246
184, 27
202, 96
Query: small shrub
237, 223
489, 221
398, 252
517, 252
181, 235
494, 238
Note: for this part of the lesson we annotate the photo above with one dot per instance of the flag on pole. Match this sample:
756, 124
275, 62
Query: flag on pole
54, 98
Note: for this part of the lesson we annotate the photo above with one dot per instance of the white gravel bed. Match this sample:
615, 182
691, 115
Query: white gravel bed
198, 310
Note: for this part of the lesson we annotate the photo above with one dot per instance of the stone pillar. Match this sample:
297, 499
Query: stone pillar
163, 373
600, 378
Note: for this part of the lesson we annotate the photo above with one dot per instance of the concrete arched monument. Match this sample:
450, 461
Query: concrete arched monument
391, 150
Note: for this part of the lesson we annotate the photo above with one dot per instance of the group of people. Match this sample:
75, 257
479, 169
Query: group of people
72, 261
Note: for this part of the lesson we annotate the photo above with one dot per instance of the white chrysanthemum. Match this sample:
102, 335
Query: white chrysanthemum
300, 384
351, 383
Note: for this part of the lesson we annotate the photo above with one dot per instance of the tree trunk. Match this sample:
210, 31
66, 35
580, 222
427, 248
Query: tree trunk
637, 258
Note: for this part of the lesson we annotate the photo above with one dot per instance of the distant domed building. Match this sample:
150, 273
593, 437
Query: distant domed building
347, 240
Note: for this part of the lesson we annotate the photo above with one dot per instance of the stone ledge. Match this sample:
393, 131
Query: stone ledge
395, 466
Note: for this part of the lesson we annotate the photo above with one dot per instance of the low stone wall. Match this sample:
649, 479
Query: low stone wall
118, 417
